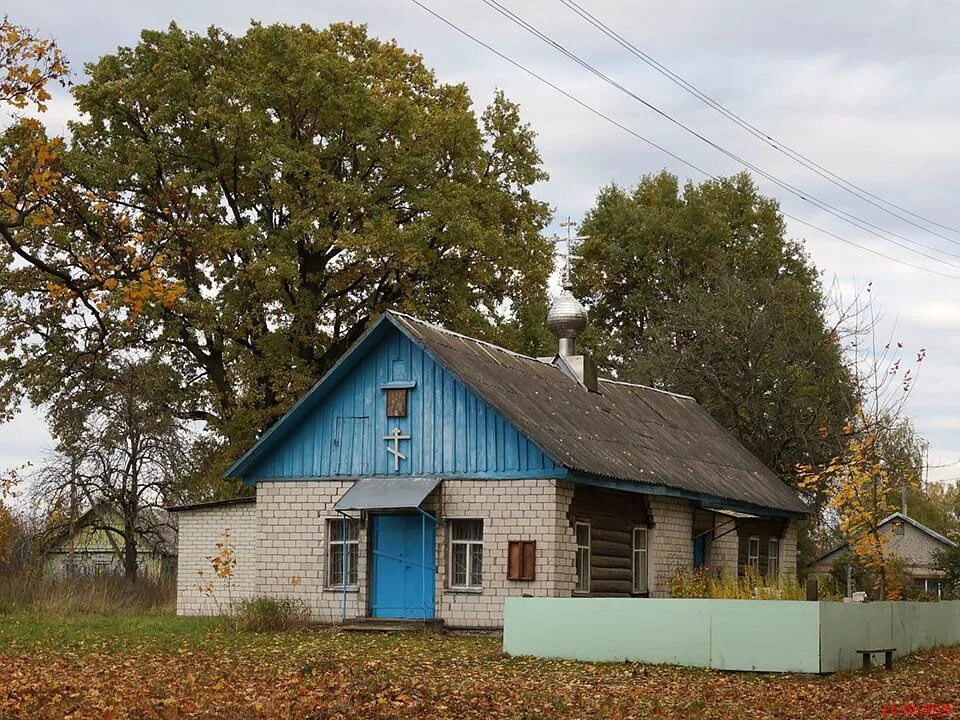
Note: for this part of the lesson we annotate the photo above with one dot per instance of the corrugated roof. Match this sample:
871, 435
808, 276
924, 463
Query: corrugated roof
624, 431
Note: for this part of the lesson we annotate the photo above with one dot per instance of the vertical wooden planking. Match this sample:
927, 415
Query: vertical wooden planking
460, 428
452, 431
471, 430
481, 436
427, 431
444, 411
416, 408
380, 369
511, 454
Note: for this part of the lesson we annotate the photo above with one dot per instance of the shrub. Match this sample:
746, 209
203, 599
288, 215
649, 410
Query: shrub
269, 614
703, 583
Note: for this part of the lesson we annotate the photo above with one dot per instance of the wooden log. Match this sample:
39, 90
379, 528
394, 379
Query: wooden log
611, 587
610, 561
621, 535
600, 547
601, 573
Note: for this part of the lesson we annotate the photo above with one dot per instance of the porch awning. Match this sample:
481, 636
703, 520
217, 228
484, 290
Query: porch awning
387, 493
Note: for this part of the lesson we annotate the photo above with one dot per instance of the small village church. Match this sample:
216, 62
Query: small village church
429, 475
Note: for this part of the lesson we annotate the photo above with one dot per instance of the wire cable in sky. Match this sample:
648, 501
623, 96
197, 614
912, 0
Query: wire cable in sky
795, 155
649, 142
823, 205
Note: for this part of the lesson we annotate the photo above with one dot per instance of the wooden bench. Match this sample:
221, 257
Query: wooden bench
887, 657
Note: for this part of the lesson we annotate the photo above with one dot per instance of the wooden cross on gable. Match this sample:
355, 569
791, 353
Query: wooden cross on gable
396, 437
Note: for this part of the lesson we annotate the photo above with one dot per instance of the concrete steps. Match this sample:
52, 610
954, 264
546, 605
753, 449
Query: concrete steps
386, 625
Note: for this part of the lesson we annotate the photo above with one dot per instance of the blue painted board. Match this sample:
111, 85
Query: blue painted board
403, 567
451, 431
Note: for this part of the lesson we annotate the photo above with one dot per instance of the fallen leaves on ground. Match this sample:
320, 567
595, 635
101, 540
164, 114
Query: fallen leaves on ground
335, 675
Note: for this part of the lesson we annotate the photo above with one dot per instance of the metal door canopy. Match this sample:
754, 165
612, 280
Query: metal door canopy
386, 493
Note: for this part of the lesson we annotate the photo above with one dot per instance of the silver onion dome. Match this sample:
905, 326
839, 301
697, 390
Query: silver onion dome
567, 319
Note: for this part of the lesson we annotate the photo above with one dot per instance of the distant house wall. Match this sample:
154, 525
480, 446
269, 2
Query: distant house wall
104, 561
92, 550
916, 549
913, 546
200, 530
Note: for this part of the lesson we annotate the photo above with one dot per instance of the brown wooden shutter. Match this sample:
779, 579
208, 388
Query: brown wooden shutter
521, 560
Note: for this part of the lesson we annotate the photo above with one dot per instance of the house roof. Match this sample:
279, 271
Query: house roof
209, 504
901, 518
626, 432
623, 431
155, 527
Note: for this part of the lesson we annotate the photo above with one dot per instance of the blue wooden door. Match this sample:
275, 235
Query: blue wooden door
404, 566
699, 550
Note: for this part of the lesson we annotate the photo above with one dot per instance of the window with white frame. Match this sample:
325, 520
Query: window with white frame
753, 553
773, 558
583, 556
640, 561
466, 554
343, 551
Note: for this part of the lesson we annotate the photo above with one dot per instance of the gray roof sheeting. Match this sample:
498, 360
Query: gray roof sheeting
624, 431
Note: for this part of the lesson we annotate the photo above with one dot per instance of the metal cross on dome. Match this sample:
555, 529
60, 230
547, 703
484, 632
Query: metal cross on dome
395, 450
567, 254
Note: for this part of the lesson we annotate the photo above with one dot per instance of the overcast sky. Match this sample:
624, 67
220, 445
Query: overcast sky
866, 89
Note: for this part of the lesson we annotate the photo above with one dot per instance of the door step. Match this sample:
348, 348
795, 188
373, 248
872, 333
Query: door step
387, 625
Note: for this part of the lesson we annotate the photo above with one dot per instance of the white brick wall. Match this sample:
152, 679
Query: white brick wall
511, 510
281, 546
292, 524
199, 532
723, 548
671, 541
788, 551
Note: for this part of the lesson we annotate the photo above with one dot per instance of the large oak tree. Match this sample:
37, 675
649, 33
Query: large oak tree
249, 204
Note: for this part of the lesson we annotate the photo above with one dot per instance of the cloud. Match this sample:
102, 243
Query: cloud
863, 88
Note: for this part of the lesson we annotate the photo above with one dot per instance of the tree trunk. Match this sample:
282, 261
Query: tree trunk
129, 553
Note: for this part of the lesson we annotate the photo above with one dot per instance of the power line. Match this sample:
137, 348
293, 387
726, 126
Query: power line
797, 156
651, 143
847, 217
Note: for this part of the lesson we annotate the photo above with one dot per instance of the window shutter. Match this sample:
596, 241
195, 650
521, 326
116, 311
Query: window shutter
521, 560
529, 551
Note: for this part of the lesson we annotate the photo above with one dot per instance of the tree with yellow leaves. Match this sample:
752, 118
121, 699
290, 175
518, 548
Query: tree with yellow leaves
77, 266
880, 455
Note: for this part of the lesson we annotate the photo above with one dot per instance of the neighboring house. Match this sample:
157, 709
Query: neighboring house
431, 475
92, 550
912, 542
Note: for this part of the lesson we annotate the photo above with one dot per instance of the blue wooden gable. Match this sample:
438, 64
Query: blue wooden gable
339, 427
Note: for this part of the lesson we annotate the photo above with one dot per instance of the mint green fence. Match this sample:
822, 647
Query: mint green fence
907, 626
761, 635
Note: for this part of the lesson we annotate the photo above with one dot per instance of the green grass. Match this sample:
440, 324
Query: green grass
164, 631
159, 629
